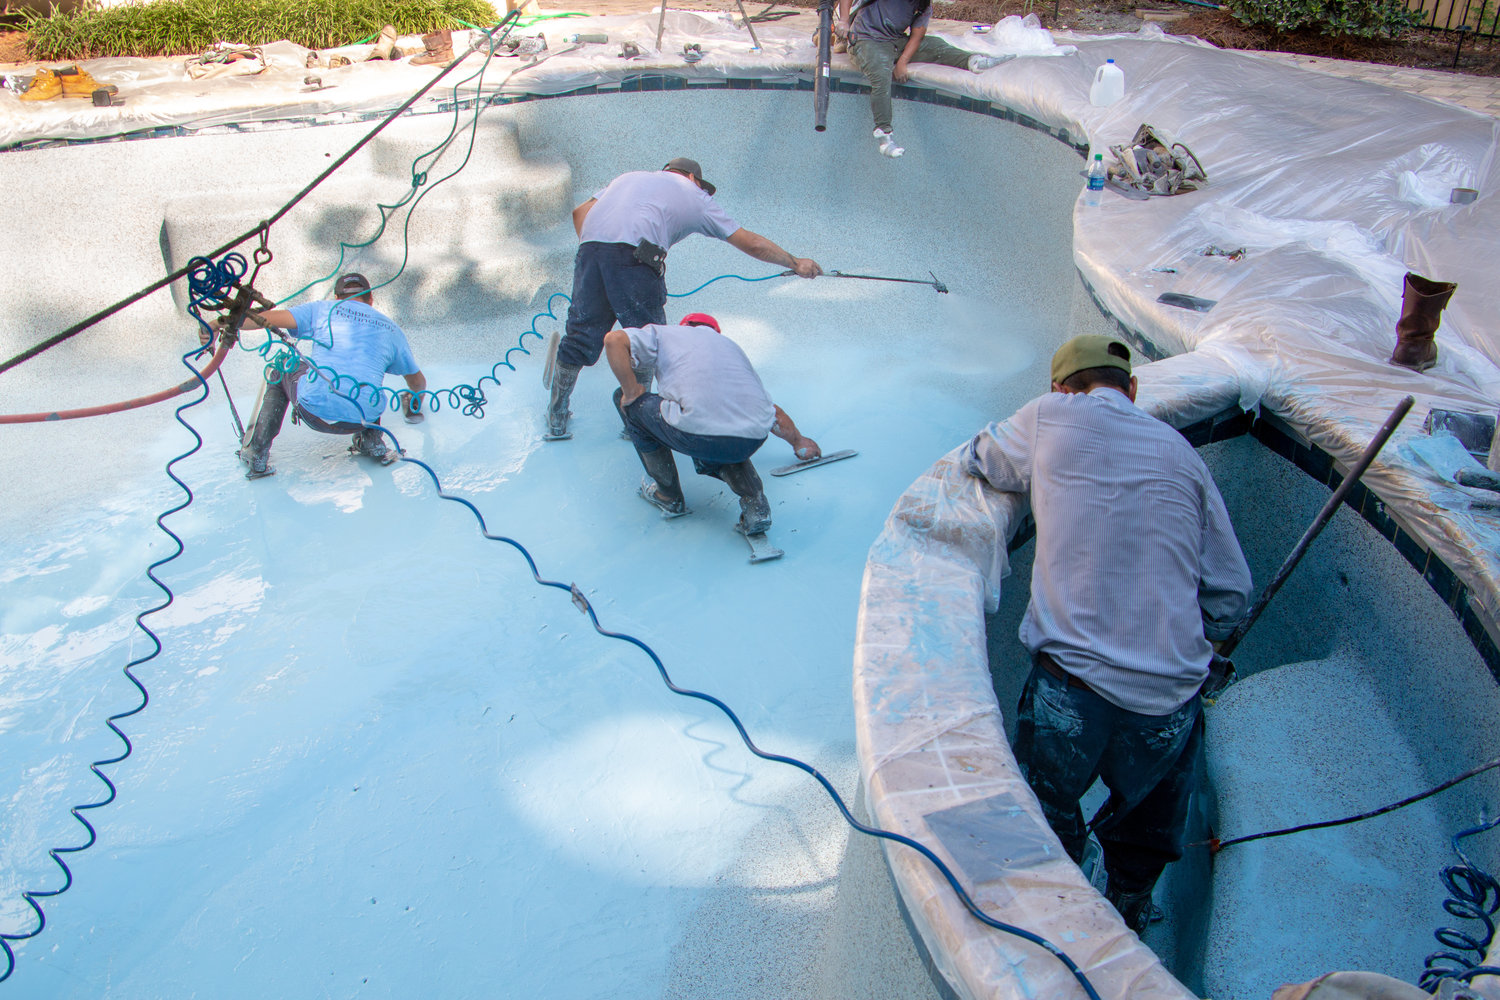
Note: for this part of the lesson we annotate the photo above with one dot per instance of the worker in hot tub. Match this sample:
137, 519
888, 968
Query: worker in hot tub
1137, 573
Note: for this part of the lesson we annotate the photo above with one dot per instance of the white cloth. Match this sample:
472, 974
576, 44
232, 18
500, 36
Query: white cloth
706, 382
657, 205
1137, 565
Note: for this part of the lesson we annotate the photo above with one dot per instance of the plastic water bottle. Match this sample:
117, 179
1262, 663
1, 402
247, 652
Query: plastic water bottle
1109, 85
1094, 192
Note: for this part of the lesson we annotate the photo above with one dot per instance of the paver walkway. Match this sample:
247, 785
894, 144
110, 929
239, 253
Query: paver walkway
1477, 93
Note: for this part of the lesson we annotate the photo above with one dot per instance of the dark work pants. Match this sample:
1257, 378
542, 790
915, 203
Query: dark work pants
265, 422
610, 287
1066, 737
709, 452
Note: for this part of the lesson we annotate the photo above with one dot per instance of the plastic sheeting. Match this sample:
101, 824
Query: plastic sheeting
1333, 187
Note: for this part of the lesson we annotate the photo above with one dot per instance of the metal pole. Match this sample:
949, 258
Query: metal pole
755, 42
825, 56
1381, 437
661, 24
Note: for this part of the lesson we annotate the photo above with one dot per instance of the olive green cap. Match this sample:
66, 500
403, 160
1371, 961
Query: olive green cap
1090, 351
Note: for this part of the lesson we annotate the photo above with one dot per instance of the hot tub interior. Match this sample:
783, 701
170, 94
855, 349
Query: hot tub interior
1358, 687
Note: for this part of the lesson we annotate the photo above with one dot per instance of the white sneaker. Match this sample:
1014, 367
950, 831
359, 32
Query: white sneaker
978, 64
888, 145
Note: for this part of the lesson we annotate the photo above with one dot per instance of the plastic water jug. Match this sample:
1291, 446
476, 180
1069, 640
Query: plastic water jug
1109, 85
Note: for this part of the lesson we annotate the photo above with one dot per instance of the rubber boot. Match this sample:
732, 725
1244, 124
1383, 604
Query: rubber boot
385, 45
1422, 303
755, 509
563, 380
663, 488
439, 47
265, 424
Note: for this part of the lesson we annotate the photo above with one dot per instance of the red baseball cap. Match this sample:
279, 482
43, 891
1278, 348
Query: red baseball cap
700, 319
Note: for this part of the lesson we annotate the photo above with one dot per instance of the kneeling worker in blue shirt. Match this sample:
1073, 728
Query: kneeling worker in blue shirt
1137, 573
709, 404
360, 345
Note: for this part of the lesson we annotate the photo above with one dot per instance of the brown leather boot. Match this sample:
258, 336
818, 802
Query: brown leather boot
439, 47
1422, 304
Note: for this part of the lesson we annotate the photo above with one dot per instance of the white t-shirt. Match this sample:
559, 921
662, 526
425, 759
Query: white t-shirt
706, 383
656, 205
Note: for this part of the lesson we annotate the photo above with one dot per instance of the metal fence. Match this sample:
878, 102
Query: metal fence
1470, 18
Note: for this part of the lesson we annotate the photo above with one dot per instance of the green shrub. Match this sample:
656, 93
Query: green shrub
177, 27
1360, 18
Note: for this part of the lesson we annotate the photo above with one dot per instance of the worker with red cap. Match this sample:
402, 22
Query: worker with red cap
619, 273
709, 404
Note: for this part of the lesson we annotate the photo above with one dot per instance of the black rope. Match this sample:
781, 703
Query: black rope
506, 23
1218, 845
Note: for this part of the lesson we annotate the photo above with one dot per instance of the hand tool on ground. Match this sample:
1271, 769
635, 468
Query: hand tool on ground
836, 456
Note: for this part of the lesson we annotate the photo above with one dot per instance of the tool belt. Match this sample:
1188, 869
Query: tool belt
1048, 664
652, 256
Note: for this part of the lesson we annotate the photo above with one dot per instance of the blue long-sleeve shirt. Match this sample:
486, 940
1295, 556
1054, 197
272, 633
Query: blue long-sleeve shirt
1137, 565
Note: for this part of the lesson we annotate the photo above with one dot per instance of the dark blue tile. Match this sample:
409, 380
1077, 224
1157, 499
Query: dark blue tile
1411, 550
1441, 579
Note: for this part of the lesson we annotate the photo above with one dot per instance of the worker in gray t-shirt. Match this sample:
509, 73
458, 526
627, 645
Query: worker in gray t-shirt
619, 274
885, 37
710, 405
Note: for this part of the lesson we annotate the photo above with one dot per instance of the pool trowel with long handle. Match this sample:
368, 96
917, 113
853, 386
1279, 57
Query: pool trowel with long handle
1221, 670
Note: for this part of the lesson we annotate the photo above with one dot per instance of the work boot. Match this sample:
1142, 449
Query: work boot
563, 380
76, 82
43, 87
755, 509
370, 442
662, 487
1135, 908
1422, 303
439, 47
385, 45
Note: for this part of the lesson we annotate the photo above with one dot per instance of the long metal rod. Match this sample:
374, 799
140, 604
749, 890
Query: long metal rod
933, 282
661, 24
1381, 437
755, 42
825, 56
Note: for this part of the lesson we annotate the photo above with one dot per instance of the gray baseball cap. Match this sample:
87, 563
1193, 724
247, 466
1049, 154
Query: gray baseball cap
691, 168
350, 285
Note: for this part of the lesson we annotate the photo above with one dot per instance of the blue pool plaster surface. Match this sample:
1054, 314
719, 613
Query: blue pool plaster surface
624, 845
378, 759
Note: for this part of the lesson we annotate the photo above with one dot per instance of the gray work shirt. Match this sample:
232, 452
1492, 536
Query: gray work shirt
1137, 565
888, 20
657, 205
706, 382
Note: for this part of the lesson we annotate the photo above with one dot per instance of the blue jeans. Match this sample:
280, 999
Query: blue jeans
609, 286
709, 452
1068, 736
